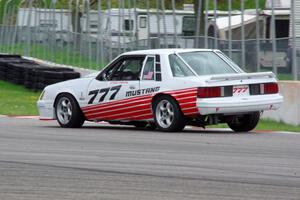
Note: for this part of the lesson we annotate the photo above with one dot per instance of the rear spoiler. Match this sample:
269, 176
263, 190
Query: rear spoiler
241, 76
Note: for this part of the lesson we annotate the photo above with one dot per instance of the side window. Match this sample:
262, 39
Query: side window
188, 25
148, 73
107, 74
128, 24
179, 68
143, 22
128, 69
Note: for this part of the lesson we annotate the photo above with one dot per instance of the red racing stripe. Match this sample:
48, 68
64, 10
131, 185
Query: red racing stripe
119, 111
182, 101
181, 91
114, 102
120, 116
118, 106
184, 95
139, 108
141, 117
187, 101
188, 105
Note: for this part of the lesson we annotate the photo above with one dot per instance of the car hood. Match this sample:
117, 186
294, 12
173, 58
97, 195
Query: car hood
72, 83
92, 75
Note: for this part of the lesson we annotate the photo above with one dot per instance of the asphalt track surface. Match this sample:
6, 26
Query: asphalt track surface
39, 160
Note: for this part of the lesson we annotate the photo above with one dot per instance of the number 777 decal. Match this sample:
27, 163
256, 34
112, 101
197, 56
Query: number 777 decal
240, 89
104, 91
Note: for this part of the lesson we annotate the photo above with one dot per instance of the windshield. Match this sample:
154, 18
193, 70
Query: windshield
206, 63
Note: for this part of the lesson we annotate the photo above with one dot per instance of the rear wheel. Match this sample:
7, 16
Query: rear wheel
167, 114
68, 113
244, 123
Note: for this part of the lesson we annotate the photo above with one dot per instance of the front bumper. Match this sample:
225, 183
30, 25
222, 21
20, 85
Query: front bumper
232, 105
46, 110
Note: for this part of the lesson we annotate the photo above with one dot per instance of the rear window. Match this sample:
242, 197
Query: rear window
178, 67
206, 63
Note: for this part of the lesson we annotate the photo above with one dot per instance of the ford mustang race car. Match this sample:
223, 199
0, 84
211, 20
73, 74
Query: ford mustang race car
165, 89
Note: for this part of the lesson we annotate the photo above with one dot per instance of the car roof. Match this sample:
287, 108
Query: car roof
163, 51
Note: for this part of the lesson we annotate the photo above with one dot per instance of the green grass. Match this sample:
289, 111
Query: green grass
267, 125
59, 55
283, 77
275, 126
17, 100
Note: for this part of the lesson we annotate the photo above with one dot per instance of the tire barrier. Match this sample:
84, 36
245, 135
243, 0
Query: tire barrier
15, 69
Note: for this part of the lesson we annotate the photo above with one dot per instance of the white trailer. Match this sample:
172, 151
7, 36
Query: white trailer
130, 25
44, 24
117, 26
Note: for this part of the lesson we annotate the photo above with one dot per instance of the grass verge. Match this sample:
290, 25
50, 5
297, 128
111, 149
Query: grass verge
17, 100
268, 125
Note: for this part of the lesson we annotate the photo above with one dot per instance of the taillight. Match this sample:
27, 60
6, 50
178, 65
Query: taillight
269, 88
209, 92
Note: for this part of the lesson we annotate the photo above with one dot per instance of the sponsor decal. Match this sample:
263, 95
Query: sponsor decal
142, 91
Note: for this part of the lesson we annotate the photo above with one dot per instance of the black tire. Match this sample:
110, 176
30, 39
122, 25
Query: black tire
17, 81
173, 114
244, 123
28, 84
10, 56
75, 119
53, 75
50, 81
3, 69
39, 86
61, 69
3, 75
16, 74
71, 75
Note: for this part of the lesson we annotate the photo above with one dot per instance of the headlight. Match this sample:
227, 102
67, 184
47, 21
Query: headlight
42, 95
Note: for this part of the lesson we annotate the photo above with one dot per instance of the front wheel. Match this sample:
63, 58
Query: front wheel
244, 123
167, 114
68, 113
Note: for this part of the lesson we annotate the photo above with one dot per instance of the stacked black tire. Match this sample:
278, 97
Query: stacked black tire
15, 69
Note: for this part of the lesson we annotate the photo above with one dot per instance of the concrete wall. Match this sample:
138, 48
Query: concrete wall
289, 111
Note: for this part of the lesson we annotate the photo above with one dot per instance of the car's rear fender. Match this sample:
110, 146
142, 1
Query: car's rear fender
186, 99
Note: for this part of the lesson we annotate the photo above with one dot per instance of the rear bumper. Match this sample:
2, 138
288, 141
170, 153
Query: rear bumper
46, 110
231, 105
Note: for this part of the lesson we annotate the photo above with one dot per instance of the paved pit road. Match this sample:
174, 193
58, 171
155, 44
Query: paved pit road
39, 160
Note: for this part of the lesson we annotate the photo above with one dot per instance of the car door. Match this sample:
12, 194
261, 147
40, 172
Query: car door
112, 86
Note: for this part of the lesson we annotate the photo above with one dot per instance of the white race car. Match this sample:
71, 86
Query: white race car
165, 89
